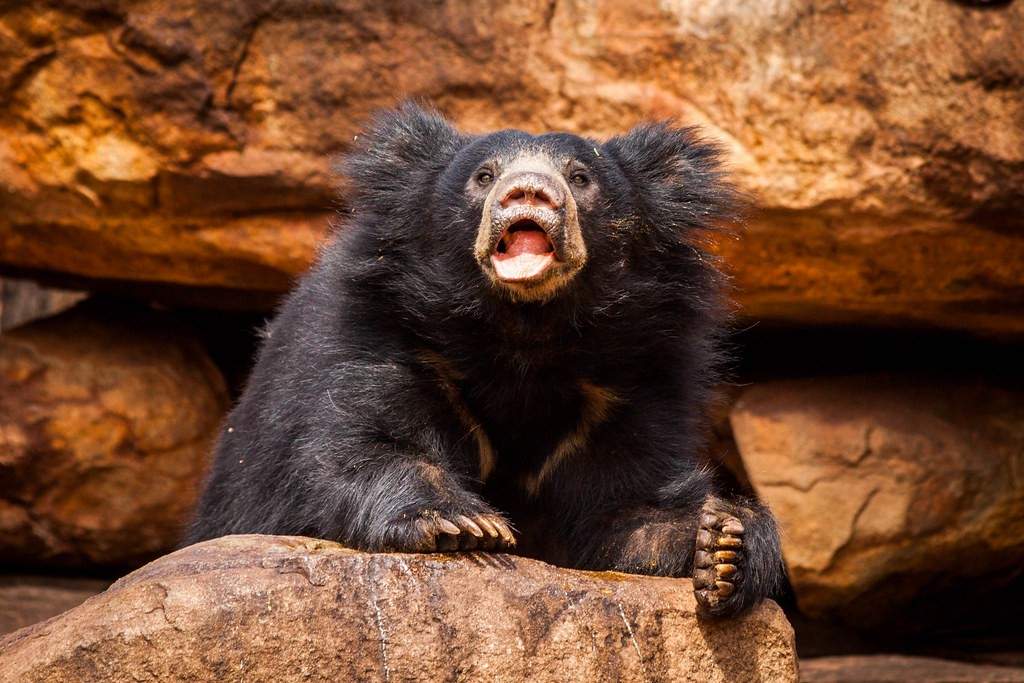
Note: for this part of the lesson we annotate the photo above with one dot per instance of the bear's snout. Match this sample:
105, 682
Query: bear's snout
531, 189
529, 243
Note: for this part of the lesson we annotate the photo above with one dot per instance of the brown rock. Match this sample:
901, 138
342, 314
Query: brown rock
187, 142
888, 489
812, 269
26, 600
901, 669
106, 420
265, 608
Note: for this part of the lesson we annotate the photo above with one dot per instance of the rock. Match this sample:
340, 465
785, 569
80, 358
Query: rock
106, 420
26, 600
897, 496
806, 269
246, 608
22, 301
902, 669
188, 143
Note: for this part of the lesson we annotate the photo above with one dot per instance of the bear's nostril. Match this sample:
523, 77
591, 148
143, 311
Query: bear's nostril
529, 196
514, 196
542, 198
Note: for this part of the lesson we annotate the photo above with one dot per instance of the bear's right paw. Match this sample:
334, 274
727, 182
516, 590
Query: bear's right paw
720, 557
430, 531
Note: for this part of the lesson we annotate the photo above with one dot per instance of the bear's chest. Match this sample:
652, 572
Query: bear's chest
525, 424
532, 424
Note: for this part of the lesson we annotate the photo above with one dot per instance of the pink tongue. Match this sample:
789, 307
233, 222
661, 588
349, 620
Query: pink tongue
527, 254
527, 242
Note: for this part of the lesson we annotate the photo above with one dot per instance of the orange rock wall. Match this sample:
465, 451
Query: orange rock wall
189, 142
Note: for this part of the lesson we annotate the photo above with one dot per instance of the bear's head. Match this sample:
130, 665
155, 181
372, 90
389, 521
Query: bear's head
533, 218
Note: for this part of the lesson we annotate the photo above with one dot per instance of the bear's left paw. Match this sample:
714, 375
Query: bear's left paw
718, 561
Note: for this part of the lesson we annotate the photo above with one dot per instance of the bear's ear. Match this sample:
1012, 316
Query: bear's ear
402, 149
677, 178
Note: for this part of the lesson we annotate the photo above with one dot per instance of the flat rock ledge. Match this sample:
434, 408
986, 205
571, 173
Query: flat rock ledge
283, 608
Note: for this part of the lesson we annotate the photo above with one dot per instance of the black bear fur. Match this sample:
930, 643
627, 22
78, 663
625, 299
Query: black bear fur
396, 362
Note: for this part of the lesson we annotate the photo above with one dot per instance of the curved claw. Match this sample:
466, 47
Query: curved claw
506, 534
447, 527
432, 532
729, 542
469, 525
724, 571
486, 525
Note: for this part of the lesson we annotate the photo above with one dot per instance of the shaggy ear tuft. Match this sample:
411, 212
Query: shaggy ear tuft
401, 152
677, 177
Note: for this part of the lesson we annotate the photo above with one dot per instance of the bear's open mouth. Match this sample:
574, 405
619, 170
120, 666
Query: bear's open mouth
524, 252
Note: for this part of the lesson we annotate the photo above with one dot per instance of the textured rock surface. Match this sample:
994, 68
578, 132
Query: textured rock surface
247, 608
888, 488
26, 600
187, 142
106, 421
899, 669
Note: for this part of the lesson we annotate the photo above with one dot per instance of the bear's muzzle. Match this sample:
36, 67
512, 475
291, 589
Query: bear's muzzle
529, 241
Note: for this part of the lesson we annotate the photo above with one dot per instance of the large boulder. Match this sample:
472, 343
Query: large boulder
106, 422
187, 142
272, 608
891, 492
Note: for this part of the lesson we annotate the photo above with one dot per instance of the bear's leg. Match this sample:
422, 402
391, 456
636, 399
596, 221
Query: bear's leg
729, 546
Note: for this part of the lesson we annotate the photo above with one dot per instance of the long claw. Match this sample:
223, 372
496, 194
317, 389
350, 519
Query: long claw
724, 571
730, 542
447, 527
506, 533
469, 525
487, 526
725, 589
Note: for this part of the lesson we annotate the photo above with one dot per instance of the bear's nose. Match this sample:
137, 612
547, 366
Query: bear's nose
531, 189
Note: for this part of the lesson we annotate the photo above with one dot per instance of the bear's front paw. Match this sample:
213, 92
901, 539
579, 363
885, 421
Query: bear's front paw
431, 531
718, 561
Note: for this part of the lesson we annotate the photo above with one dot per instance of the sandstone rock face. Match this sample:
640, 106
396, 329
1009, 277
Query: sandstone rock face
888, 489
901, 669
106, 422
26, 600
187, 142
266, 608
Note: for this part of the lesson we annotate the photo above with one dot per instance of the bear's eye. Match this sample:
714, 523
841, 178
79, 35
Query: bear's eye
579, 178
484, 177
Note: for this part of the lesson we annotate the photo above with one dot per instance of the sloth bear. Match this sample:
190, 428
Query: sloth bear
509, 346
